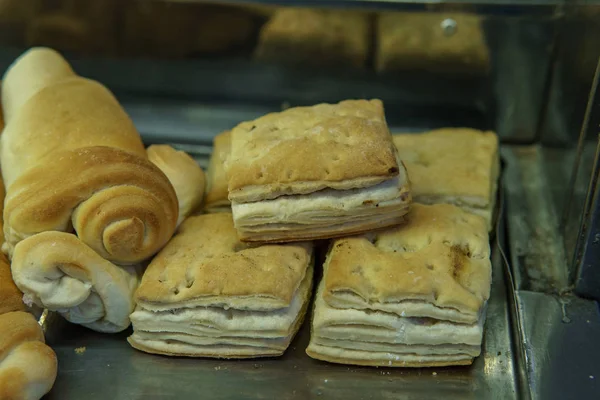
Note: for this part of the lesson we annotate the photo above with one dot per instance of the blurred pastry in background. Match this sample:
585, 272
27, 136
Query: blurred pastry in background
173, 29
409, 296
432, 42
82, 27
15, 15
216, 186
206, 294
458, 166
310, 37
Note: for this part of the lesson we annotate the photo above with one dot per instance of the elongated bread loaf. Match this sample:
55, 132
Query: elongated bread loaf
55, 270
185, 175
72, 160
28, 366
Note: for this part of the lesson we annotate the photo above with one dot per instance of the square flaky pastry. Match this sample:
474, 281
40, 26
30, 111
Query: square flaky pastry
412, 295
208, 294
316, 172
217, 199
457, 166
301, 36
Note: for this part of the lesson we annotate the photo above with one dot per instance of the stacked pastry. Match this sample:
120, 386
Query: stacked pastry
208, 294
301, 36
458, 166
216, 187
409, 296
315, 172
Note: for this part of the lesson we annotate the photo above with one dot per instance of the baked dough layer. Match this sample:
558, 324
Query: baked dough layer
437, 263
205, 264
324, 214
413, 295
306, 149
219, 332
457, 166
208, 294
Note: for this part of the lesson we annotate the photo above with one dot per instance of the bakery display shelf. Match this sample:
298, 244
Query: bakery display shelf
101, 366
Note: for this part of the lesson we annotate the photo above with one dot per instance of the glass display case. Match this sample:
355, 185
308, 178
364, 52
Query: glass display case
528, 70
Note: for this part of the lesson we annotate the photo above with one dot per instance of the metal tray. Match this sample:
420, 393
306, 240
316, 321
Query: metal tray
101, 366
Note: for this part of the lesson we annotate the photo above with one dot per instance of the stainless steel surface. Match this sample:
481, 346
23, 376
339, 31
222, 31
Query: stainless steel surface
109, 368
561, 343
536, 245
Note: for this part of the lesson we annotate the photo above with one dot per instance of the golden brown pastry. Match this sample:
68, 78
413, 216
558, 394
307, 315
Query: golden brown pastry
56, 271
216, 187
431, 41
207, 294
315, 172
315, 37
185, 175
458, 166
176, 29
72, 160
27, 366
409, 296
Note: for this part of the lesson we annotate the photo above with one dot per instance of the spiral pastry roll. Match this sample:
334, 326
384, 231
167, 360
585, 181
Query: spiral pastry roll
57, 271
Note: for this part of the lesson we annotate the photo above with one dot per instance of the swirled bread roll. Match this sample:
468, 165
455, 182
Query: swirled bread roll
27, 366
72, 160
185, 175
55, 270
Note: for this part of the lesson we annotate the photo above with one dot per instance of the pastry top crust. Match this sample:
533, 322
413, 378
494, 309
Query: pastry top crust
440, 256
216, 185
450, 162
205, 264
305, 149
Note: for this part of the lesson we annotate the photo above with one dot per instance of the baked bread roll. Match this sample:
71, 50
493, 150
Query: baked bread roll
414, 295
56, 271
316, 172
216, 186
72, 160
27, 366
457, 166
207, 294
185, 175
